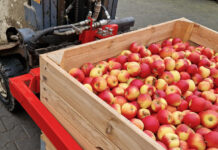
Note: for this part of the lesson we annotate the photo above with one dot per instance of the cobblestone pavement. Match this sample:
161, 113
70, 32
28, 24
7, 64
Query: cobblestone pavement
18, 131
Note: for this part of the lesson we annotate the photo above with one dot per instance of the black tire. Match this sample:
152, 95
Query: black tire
10, 66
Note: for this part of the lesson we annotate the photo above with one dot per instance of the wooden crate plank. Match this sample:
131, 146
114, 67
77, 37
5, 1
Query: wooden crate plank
113, 125
205, 36
106, 48
76, 125
183, 29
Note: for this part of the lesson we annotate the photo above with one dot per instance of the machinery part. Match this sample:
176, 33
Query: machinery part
124, 24
9, 67
97, 9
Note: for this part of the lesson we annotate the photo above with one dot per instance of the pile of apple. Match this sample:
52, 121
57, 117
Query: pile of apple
168, 90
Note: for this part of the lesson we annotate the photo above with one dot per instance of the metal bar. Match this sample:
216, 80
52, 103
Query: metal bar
59, 137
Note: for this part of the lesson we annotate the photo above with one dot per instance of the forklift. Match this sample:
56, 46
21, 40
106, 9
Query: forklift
55, 24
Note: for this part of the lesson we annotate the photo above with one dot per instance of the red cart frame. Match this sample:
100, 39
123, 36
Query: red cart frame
23, 88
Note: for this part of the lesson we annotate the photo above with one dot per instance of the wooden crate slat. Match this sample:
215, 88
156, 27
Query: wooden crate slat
114, 126
77, 126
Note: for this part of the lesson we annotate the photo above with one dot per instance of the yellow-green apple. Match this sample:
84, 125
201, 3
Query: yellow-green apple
159, 93
183, 105
214, 72
138, 123
197, 78
148, 60
174, 99
209, 118
77, 74
99, 84
209, 95
204, 86
151, 123
178, 55
207, 52
154, 48
150, 80
117, 107
171, 140
197, 104
158, 67
133, 68
184, 76
144, 52
192, 69
192, 86
119, 100
131, 93
88, 86
166, 52
171, 108
164, 117
203, 131
196, 141
168, 77
122, 59
112, 81
150, 134
211, 139
147, 89
183, 85
167, 42
107, 96
163, 129
161, 84
128, 110
144, 100
137, 82
87, 80
183, 131
134, 47
114, 65
123, 76
194, 57
86, 68
123, 85
176, 75
162, 144
204, 72
115, 72
96, 72
170, 63
142, 113
191, 119
177, 117
158, 104
176, 40
103, 65
181, 65
145, 70
204, 62
118, 91
173, 89
183, 145
134, 57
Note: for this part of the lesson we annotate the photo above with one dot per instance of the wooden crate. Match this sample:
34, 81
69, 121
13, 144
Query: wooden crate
92, 122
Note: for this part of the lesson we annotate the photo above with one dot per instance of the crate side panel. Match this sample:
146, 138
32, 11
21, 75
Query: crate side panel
83, 130
114, 126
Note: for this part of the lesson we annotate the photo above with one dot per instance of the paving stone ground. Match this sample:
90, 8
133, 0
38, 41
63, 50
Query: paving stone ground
19, 132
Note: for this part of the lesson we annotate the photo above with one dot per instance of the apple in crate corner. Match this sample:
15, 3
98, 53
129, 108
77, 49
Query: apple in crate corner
77, 73
151, 123
99, 84
128, 110
131, 93
86, 68
163, 129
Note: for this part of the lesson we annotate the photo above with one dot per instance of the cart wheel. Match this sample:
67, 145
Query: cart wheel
10, 66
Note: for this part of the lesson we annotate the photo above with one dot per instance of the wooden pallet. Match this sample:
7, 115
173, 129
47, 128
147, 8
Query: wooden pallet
92, 122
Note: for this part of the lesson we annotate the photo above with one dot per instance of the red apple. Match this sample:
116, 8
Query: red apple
122, 59
161, 84
168, 77
150, 80
158, 94
179, 47
207, 52
191, 119
145, 70
185, 76
114, 65
77, 74
118, 91
183, 131
158, 67
86, 68
123, 76
181, 65
144, 100
112, 81
117, 107
142, 113
174, 99
87, 80
128, 110
209, 118
211, 139
183, 105
158, 104
147, 89
150, 134
194, 57
167, 43
134, 47
197, 78
204, 62
183, 85
165, 117
176, 40
131, 93
151, 123
171, 140
197, 104
144, 52
192, 69
133, 68
166, 52
99, 84
138, 123
196, 141
154, 48
119, 100
136, 82
134, 57
203, 131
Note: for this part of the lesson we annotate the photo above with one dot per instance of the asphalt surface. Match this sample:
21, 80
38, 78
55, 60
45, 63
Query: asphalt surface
19, 132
